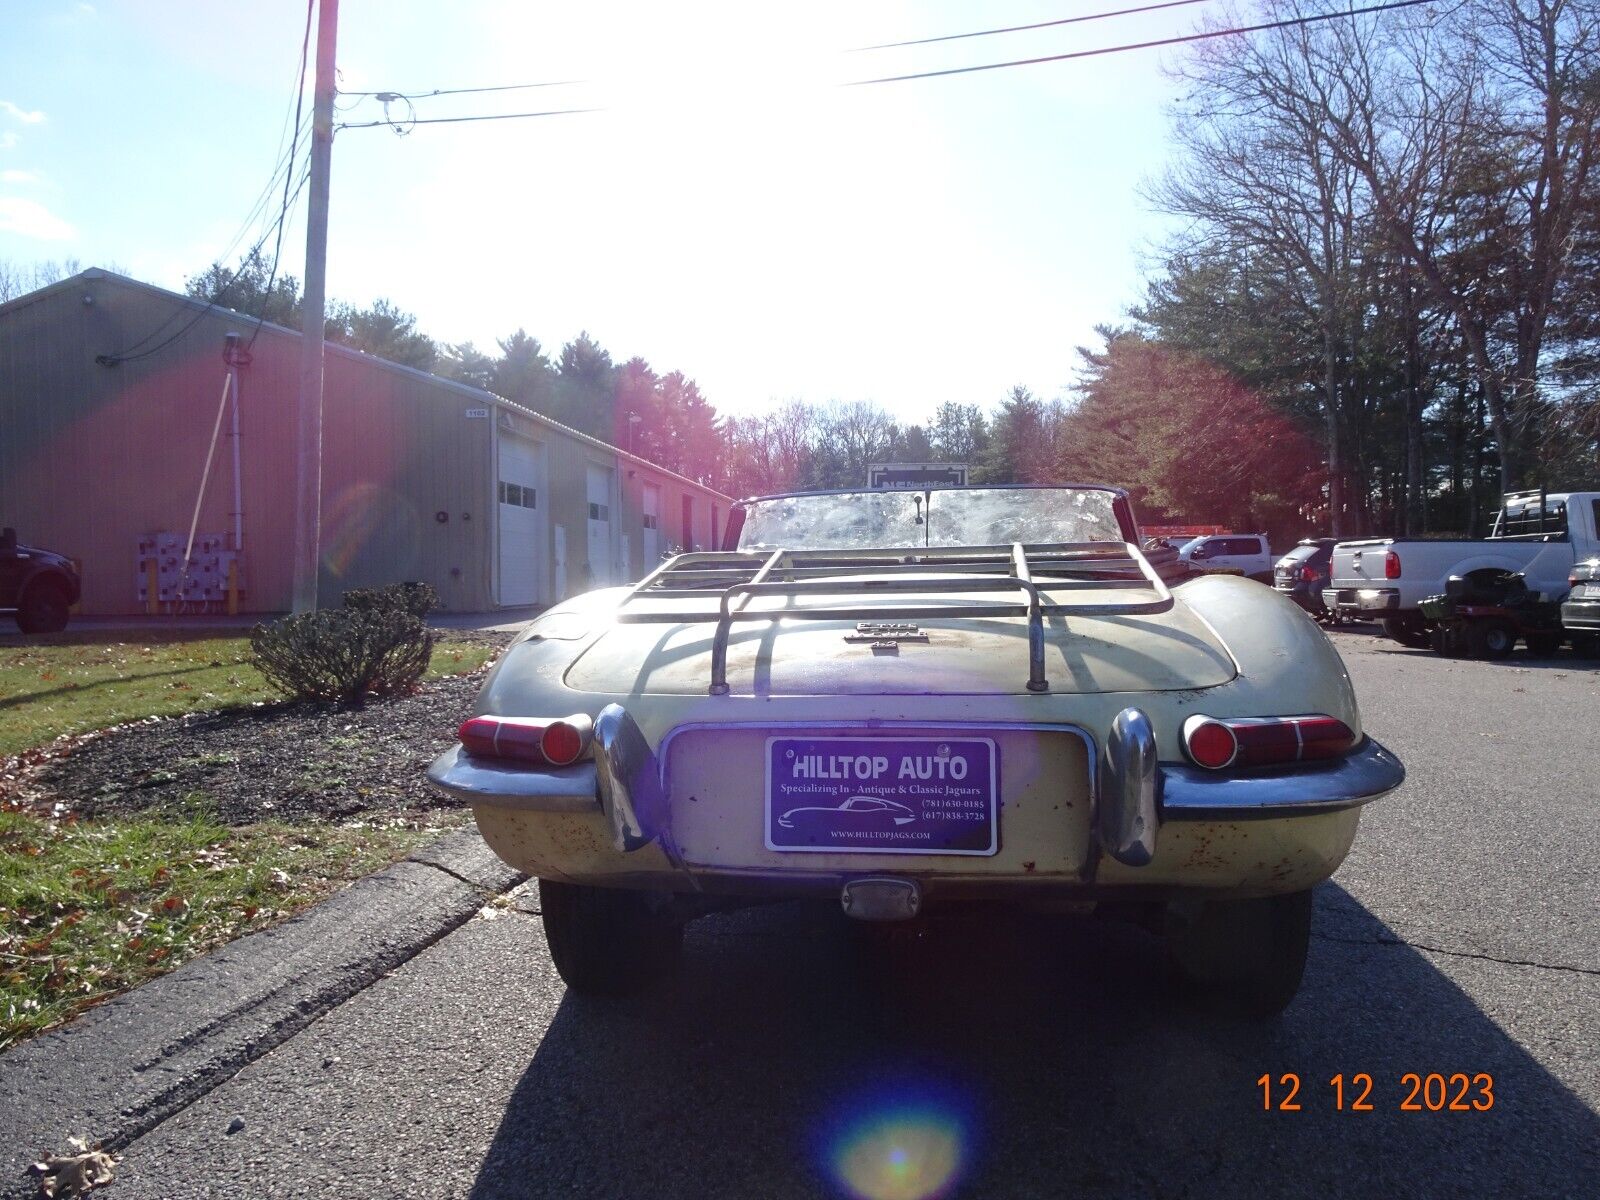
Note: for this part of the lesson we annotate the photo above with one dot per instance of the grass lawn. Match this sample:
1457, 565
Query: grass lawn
70, 686
88, 909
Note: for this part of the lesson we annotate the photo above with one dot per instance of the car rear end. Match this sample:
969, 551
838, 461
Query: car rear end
899, 729
1364, 579
727, 762
1302, 575
1580, 612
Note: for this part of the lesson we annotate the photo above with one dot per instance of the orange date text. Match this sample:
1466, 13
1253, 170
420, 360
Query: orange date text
1413, 1091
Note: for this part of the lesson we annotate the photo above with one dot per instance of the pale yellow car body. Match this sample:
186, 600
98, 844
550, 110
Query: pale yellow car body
1265, 657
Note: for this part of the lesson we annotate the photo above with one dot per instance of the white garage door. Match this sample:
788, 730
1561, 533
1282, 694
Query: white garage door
652, 527
521, 494
599, 527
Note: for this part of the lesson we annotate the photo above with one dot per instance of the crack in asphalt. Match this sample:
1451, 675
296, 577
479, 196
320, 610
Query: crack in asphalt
1509, 962
482, 888
189, 1089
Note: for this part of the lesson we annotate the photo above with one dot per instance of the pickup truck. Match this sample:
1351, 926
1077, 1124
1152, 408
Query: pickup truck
1536, 533
1244, 554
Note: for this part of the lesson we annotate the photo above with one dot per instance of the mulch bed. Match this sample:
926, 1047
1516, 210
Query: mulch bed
279, 762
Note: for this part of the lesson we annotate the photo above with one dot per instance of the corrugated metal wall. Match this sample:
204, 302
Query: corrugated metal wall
94, 457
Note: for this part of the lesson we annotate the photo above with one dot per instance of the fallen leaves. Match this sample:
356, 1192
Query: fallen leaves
74, 1173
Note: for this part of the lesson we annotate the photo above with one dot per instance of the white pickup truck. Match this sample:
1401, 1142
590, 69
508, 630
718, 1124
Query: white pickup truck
1541, 534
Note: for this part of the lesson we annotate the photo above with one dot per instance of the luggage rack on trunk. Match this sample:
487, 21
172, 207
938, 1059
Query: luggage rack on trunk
740, 576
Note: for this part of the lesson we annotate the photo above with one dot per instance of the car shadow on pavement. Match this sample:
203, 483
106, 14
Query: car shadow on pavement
1046, 1057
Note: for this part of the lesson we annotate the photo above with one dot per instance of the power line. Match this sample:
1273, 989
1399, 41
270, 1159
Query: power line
214, 301
284, 170
283, 210
553, 112
1171, 41
257, 210
955, 37
505, 87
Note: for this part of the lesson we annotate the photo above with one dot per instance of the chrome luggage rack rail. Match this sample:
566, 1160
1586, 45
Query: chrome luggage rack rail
741, 576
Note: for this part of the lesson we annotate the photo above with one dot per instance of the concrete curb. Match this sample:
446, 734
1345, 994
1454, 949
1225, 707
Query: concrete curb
124, 1067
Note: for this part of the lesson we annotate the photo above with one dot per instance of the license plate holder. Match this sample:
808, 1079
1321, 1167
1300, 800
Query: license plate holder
912, 795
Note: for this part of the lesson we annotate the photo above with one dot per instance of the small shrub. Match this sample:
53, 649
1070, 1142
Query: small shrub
418, 599
343, 653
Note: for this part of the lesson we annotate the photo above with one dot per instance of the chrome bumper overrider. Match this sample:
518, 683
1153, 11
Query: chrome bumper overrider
1136, 793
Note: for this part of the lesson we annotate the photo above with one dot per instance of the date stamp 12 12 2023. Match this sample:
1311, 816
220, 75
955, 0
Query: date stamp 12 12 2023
1432, 1091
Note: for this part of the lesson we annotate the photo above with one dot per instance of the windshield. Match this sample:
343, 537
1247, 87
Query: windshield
949, 517
1299, 554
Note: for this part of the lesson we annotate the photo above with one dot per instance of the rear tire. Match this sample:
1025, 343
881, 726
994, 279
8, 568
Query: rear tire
1243, 957
1490, 639
607, 941
43, 608
1408, 631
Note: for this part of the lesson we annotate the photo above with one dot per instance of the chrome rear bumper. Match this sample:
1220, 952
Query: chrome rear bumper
1134, 796
1195, 794
514, 785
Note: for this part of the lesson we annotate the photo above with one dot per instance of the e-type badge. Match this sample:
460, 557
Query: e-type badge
886, 636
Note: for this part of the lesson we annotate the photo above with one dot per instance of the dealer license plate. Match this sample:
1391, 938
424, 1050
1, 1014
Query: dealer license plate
882, 795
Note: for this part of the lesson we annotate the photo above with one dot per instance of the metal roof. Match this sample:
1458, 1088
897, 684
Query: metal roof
99, 275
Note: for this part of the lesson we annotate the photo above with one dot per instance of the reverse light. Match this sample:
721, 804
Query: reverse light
1214, 743
555, 741
1391, 565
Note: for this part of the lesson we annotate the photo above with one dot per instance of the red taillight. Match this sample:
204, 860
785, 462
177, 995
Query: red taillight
1210, 743
556, 741
1309, 574
562, 743
1263, 741
1391, 565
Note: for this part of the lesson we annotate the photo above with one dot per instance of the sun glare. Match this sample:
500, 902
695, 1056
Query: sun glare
912, 1143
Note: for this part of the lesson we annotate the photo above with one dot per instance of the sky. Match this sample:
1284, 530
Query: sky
732, 212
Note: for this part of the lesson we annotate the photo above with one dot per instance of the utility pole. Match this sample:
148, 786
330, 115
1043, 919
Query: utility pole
308, 441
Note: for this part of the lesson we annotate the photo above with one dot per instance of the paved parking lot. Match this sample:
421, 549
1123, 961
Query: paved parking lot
1043, 1057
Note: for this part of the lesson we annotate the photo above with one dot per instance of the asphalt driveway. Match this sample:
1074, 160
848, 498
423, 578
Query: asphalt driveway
1038, 1057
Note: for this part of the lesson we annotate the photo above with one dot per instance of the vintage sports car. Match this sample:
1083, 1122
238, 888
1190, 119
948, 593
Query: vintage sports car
1003, 666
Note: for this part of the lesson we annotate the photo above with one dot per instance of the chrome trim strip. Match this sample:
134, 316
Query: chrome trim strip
520, 786
1195, 794
1125, 816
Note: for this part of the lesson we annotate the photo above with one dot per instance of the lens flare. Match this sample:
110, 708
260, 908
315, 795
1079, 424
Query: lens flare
371, 530
911, 1143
